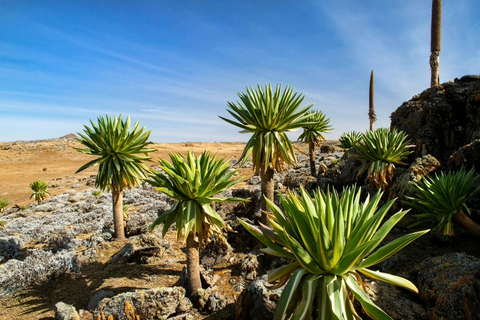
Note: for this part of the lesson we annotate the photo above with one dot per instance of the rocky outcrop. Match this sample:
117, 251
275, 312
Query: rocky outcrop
257, 301
450, 286
443, 118
395, 301
421, 167
468, 155
158, 303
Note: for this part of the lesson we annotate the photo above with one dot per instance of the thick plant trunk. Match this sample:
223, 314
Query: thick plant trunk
117, 199
268, 190
468, 224
193, 266
436, 39
311, 153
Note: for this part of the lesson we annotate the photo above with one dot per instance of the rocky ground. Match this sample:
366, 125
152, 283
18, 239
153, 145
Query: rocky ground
58, 255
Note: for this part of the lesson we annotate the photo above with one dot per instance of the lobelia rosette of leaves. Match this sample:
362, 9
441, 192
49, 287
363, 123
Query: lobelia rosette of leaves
382, 149
444, 196
318, 124
349, 139
120, 152
194, 183
331, 241
269, 115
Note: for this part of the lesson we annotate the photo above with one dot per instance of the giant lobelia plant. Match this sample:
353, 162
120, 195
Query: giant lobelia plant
382, 149
313, 134
194, 183
269, 115
443, 198
331, 241
120, 154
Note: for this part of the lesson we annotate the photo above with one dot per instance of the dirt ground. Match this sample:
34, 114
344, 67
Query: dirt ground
56, 161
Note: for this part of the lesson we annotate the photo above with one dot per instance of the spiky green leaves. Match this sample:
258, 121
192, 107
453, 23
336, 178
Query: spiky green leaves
382, 149
120, 152
443, 196
318, 124
349, 139
3, 204
269, 115
40, 190
330, 240
194, 183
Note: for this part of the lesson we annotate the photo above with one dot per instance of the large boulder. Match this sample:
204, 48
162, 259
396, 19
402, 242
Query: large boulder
443, 118
450, 286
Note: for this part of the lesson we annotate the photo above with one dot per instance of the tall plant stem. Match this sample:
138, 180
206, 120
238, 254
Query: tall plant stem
311, 153
435, 44
193, 265
371, 101
117, 199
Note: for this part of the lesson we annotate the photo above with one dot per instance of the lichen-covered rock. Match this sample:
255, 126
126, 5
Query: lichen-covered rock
143, 248
254, 180
10, 247
140, 221
249, 267
397, 303
97, 297
39, 265
257, 302
450, 286
468, 155
65, 311
442, 118
157, 303
421, 167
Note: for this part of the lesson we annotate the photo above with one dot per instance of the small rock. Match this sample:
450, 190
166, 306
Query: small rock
65, 311
249, 267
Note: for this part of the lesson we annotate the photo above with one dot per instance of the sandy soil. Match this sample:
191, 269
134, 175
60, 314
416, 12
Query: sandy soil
57, 161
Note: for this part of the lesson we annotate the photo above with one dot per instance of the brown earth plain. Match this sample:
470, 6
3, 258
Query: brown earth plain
56, 161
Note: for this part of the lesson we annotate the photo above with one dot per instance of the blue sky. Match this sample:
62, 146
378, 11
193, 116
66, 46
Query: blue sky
173, 65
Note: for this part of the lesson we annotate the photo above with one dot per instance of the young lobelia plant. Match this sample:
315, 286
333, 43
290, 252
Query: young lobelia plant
349, 139
382, 149
3, 204
40, 190
330, 240
313, 134
194, 183
443, 198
